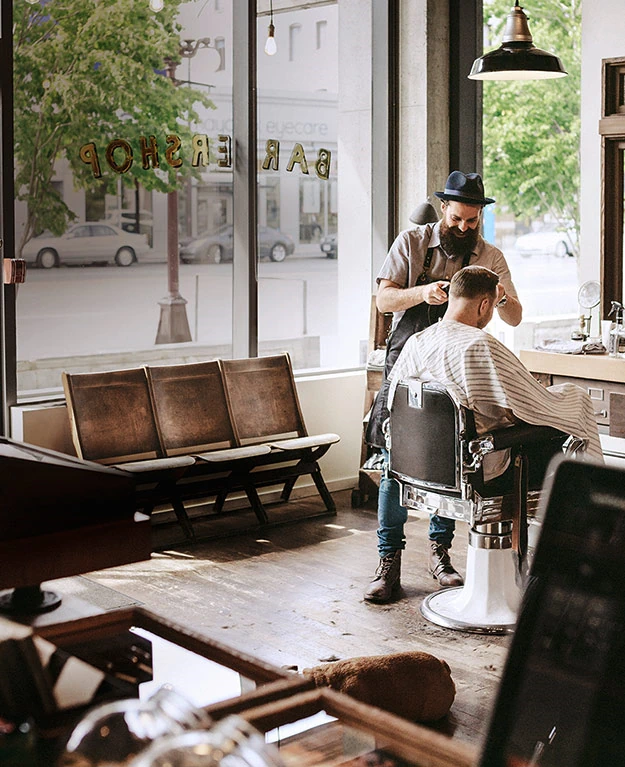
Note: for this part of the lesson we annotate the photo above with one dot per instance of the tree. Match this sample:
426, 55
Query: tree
90, 71
531, 128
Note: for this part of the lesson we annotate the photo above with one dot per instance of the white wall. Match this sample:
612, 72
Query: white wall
603, 36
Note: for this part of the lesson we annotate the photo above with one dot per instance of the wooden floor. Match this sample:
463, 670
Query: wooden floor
292, 596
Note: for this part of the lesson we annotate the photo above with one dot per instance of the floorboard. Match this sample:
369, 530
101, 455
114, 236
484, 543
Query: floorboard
291, 595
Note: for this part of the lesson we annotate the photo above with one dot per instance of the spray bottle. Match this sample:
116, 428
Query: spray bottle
615, 333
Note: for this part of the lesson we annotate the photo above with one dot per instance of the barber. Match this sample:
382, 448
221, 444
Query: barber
413, 284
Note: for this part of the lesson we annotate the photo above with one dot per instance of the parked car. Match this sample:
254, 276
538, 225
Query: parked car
127, 220
329, 245
86, 244
217, 248
549, 239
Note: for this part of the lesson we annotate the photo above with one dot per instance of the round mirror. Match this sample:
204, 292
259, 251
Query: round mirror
589, 294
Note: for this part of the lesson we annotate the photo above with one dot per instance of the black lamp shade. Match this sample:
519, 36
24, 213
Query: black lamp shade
517, 61
517, 58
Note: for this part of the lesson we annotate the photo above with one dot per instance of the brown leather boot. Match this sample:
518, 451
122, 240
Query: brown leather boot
441, 568
386, 583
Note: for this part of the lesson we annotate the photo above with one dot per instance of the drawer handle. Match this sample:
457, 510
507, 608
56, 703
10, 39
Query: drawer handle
602, 414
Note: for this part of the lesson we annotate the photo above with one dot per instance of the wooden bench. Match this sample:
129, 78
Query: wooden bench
198, 430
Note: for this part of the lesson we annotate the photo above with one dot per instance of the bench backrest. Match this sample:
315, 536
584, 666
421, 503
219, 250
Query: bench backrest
263, 398
111, 415
190, 407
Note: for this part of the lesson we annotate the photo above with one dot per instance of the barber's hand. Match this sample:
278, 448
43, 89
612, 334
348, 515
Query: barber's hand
433, 293
501, 295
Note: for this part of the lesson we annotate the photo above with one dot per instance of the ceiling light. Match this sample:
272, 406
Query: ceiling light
517, 58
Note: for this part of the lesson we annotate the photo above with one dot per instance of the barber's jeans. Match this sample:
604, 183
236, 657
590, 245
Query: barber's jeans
392, 517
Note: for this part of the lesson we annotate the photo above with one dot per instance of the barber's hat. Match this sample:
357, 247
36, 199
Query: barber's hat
464, 187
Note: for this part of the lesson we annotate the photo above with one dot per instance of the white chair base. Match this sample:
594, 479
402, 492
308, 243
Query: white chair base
489, 600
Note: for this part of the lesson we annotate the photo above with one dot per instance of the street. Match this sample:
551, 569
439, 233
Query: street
97, 309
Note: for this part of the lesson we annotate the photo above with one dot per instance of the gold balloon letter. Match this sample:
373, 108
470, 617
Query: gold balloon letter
119, 143
224, 148
322, 166
297, 155
201, 154
272, 149
89, 155
149, 151
173, 145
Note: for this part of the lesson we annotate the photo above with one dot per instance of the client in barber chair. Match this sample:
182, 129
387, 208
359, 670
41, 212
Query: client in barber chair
484, 376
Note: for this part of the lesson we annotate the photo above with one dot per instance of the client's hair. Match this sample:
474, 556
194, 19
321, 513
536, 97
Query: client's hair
473, 282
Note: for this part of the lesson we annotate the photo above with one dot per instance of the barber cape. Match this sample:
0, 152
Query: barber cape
484, 376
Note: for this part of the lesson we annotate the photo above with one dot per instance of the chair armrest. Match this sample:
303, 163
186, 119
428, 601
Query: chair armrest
520, 434
525, 434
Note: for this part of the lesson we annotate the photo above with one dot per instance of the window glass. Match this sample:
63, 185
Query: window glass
314, 128
531, 135
123, 120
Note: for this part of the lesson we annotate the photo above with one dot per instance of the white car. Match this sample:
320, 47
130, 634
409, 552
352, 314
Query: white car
96, 242
550, 240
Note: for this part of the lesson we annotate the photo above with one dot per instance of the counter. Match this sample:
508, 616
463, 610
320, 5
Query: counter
596, 366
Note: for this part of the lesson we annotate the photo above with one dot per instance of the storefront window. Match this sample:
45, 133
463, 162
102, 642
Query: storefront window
314, 117
122, 129
531, 135
125, 204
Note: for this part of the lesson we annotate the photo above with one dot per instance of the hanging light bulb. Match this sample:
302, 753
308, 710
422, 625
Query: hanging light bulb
270, 46
157, 5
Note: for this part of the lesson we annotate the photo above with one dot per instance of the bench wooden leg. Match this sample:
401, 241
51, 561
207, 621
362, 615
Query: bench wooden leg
256, 504
323, 489
182, 516
220, 500
288, 488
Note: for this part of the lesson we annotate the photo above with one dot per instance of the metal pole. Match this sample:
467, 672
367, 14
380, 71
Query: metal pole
173, 326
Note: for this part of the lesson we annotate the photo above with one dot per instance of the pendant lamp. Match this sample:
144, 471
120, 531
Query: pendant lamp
270, 45
517, 58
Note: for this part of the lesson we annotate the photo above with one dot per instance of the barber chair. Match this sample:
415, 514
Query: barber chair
437, 458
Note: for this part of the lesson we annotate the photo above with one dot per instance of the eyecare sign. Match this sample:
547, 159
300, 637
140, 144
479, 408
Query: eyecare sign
119, 155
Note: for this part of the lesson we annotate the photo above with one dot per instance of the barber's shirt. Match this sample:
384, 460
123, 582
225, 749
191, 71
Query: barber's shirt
484, 376
404, 263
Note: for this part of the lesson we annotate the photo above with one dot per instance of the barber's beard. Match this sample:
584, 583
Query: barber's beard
455, 245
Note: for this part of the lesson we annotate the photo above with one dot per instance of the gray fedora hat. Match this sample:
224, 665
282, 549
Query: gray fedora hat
465, 187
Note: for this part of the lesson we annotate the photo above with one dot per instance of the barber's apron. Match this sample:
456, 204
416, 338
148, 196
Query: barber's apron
412, 321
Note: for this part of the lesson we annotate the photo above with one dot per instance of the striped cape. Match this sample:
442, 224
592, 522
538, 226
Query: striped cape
483, 375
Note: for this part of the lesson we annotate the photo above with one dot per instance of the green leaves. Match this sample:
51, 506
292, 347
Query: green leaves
90, 71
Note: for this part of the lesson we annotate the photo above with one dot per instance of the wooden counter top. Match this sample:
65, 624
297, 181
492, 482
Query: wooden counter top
600, 367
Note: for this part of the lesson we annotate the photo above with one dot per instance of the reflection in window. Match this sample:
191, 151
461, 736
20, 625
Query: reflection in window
76, 316
315, 305
220, 47
322, 27
294, 31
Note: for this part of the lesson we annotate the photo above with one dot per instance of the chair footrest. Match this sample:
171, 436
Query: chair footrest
297, 443
234, 453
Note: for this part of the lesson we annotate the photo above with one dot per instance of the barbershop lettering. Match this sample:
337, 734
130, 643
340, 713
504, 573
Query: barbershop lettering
119, 156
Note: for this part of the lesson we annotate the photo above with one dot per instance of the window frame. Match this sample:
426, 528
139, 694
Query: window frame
612, 132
